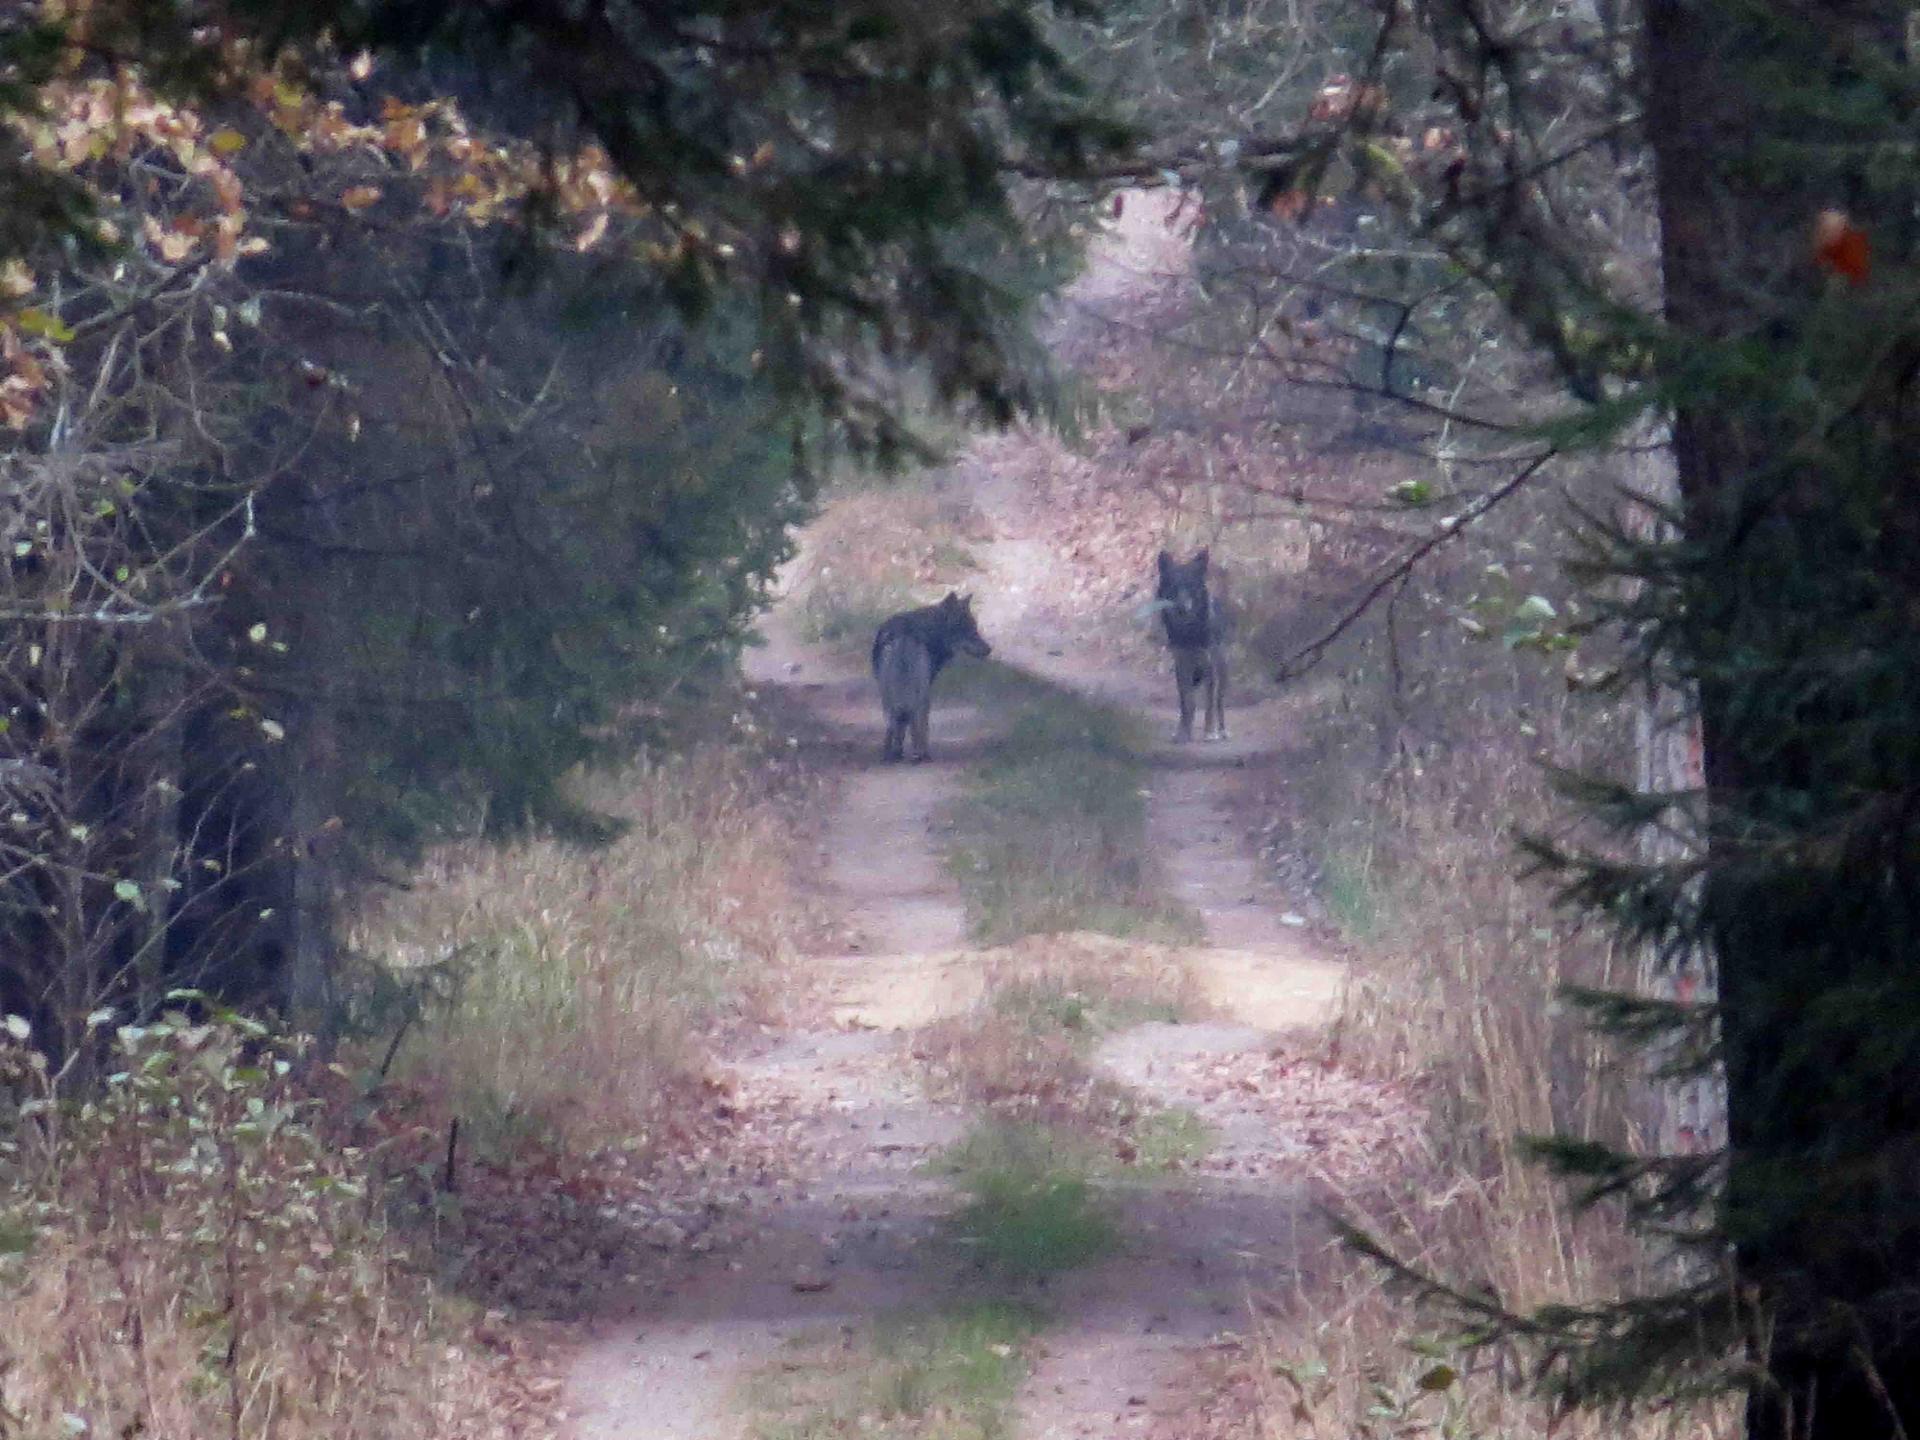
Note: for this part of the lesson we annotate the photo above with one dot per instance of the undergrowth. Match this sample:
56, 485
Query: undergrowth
186, 1254
568, 987
1417, 764
1025, 1054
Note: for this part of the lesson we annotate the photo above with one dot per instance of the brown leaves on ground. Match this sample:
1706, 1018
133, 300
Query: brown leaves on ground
1314, 1119
1024, 1053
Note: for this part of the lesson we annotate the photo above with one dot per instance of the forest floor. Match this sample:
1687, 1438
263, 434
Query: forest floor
854, 1227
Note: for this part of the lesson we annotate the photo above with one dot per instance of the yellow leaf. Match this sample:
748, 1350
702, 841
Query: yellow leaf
360, 196
16, 279
227, 142
39, 322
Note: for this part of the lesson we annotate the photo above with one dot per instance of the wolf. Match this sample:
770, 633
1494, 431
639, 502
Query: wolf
1197, 633
909, 649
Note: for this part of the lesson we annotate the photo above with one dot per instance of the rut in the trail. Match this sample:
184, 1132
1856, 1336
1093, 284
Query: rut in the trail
845, 1234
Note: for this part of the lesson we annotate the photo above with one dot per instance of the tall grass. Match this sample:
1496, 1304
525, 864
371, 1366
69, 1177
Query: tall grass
580, 980
1463, 966
187, 1257
1407, 799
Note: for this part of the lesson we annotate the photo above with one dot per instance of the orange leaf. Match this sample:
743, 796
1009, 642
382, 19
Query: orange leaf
1841, 246
360, 196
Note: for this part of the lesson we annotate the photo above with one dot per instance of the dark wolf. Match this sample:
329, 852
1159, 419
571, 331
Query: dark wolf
911, 648
1197, 633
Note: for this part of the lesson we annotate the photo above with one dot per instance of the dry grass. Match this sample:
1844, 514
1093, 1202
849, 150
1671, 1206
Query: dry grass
583, 978
1462, 965
1405, 808
209, 1250
1023, 1054
1345, 1366
879, 549
193, 1261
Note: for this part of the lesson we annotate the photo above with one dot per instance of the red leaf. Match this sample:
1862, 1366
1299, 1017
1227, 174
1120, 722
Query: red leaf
1841, 246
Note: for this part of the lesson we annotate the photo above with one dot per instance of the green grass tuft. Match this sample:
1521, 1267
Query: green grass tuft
1034, 1210
1170, 1140
1355, 899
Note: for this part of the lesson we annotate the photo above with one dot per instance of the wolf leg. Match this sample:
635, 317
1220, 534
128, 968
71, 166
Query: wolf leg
1184, 681
920, 730
1216, 695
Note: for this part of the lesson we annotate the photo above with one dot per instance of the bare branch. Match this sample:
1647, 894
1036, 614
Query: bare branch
1310, 654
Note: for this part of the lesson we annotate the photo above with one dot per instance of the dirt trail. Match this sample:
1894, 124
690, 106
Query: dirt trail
843, 1236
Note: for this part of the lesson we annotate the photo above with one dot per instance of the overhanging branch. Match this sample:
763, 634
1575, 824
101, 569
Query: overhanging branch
1310, 654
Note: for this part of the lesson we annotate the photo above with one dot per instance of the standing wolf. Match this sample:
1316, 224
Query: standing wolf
908, 651
1197, 634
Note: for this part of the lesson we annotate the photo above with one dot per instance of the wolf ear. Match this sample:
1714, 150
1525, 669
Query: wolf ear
1166, 562
953, 598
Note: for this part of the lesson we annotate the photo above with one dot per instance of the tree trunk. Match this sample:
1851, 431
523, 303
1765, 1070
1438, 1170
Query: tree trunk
1689, 1116
1799, 515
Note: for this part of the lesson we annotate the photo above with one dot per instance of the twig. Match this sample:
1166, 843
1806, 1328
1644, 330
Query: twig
453, 1145
1310, 654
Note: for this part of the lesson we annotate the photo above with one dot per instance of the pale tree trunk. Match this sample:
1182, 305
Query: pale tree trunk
1689, 1115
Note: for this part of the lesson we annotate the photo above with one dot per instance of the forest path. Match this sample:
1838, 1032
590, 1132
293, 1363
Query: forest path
850, 1232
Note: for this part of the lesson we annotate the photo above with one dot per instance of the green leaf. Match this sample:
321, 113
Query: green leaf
1440, 1377
130, 892
38, 322
1536, 607
1412, 492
